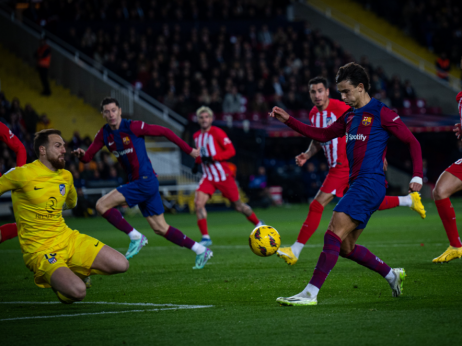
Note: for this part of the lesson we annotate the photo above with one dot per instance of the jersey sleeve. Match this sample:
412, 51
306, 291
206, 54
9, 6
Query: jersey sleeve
71, 199
10, 181
140, 128
337, 129
226, 146
391, 122
14, 144
96, 146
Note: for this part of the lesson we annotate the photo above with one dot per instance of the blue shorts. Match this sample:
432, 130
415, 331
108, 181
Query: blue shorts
362, 199
145, 193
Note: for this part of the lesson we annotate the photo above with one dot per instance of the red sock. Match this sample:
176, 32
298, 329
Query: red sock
311, 223
202, 223
8, 231
389, 202
253, 218
448, 216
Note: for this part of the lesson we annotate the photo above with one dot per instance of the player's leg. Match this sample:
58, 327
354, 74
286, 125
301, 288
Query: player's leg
245, 209
412, 201
106, 207
230, 191
160, 227
109, 261
67, 285
364, 257
448, 184
340, 226
200, 199
8, 231
311, 224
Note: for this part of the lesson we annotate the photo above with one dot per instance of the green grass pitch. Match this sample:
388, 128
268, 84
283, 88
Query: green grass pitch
355, 306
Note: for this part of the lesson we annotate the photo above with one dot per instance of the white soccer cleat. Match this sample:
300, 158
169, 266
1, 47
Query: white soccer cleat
398, 284
298, 300
260, 223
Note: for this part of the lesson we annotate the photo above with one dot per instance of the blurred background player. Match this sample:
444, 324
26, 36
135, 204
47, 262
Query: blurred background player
125, 139
60, 258
449, 182
368, 126
323, 114
215, 148
9, 230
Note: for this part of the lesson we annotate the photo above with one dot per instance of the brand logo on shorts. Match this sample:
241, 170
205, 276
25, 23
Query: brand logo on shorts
51, 258
62, 189
126, 140
366, 121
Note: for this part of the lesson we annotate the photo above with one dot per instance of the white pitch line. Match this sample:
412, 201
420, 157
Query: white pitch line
115, 303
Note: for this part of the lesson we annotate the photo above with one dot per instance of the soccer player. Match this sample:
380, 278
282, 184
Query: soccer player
59, 256
323, 114
367, 127
215, 148
9, 230
449, 182
125, 139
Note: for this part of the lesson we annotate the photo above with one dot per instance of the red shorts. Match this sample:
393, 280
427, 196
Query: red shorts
456, 169
228, 188
335, 183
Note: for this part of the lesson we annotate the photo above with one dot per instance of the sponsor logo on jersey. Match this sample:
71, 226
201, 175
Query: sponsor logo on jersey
359, 137
366, 121
126, 140
123, 152
62, 189
51, 204
226, 141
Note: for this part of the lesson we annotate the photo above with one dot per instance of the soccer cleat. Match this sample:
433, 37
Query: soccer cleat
206, 242
87, 281
417, 205
297, 300
62, 298
135, 246
398, 284
202, 259
260, 223
287, 255
450, 254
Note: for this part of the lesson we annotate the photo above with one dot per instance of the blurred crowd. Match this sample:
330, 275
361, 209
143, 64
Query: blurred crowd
435, 24
232, 68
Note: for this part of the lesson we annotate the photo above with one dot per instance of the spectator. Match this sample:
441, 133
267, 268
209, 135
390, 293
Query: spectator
31, 119
311, 180
43, 59
259, 193
265, 37
443, 66
259, 104
397, 101
409, 92
44, 123
232, 101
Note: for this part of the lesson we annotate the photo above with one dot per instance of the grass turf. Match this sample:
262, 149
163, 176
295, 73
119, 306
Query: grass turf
354, 306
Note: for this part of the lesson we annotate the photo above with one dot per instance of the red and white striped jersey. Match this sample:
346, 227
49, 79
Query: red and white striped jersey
335, 150
459, 104
215, 143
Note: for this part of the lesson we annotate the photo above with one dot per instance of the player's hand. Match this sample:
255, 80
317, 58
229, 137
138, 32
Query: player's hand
195, 168
385, 165
414, 187
301, 159
457, 130
79, 153
195, 153
207, 159
279, 114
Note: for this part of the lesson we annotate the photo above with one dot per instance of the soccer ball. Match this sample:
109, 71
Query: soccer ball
264, 241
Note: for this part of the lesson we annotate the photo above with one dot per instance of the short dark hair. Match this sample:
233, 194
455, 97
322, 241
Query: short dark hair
355, 74
317, 80
41, 138
108, 100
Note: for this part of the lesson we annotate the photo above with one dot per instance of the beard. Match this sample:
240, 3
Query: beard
56, 163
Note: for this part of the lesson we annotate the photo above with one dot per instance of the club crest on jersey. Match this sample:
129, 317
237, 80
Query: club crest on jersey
366, 121
126, 140
328, 121
51, 258
62, 189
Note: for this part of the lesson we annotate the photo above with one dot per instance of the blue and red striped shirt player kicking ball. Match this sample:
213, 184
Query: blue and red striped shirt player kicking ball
125, 139
367, 126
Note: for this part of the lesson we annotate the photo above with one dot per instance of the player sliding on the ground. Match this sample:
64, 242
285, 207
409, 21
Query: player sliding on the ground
60, 258
125, 139
9, 230
367, 126
449, 182
215, 148
323, 114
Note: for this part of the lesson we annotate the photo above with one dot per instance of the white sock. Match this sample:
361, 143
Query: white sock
134, 234
310, 291
205, 236
297, 248
390, 277
198, 248
405, 201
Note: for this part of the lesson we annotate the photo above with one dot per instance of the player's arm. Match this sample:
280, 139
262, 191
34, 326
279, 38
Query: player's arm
71, 199
14, 144
312, 150
393, 123
337, 129
10, 181
87, 156
227, 147
140, 128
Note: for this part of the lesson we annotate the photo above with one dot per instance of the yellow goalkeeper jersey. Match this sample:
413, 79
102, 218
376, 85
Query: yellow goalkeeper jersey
39, 196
